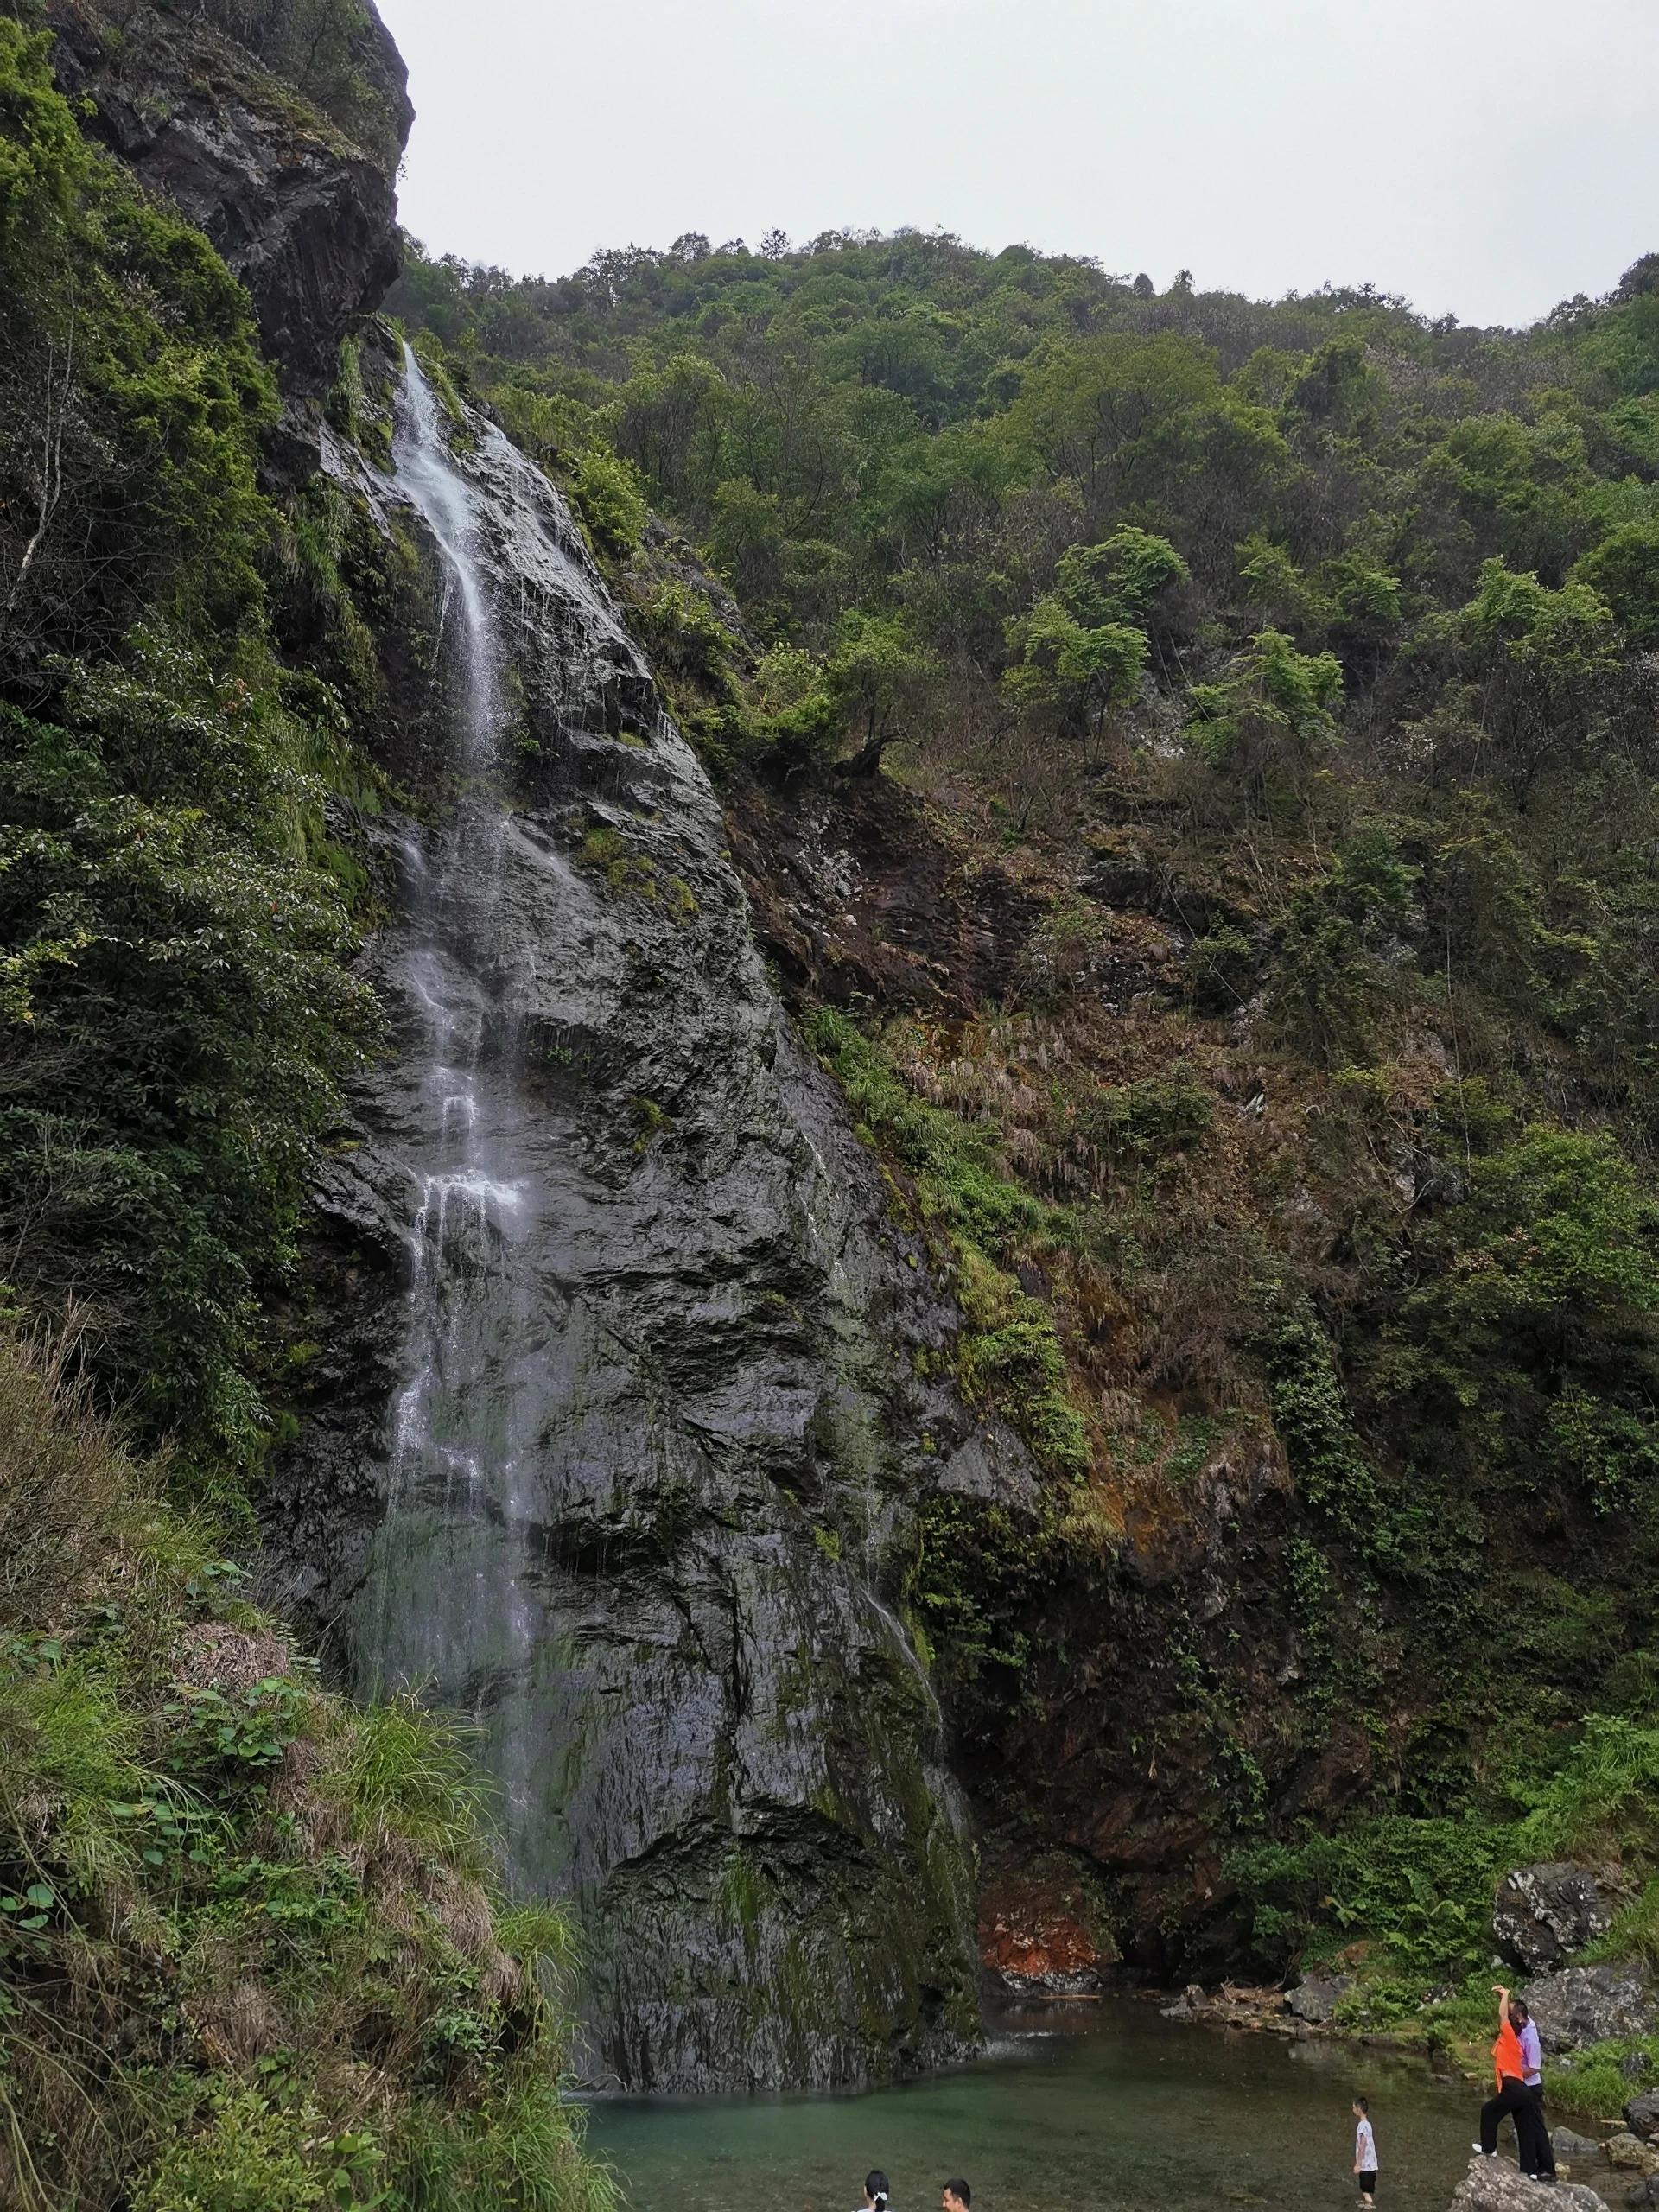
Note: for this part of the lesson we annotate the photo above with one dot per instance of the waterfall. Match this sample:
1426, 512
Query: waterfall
445, 1609
654, 1379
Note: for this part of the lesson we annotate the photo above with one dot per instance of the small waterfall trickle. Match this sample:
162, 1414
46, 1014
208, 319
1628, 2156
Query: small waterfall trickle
443, 1608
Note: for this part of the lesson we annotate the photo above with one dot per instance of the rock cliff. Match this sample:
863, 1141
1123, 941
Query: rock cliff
698, 1414
303, 209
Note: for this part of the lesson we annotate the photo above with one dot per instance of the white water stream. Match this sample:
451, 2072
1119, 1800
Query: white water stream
445, 1610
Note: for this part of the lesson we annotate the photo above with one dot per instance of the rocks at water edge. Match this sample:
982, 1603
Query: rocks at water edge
1632, 2154
1542, 1914
1567, 2145
1314, 2000
1641, 2116
1585, 2005
1494, 2186
1042, 1929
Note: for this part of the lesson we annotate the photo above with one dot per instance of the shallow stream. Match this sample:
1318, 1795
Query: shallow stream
1098, 2109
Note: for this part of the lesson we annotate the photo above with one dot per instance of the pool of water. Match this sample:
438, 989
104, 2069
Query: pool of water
1087, 2108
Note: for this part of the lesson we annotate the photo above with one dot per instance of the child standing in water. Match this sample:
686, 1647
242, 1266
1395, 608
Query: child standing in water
1364, 2152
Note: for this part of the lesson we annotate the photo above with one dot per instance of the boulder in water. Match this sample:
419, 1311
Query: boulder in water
1641, 2116
1542, 1914
1567, 2144
1494, 2186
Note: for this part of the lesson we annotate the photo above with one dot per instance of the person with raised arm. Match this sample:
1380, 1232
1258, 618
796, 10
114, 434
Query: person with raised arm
1510, 2072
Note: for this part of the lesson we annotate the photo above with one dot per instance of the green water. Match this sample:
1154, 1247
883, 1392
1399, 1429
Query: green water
1096, 2109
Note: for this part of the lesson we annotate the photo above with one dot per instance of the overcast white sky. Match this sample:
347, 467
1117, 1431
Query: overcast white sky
1486, 157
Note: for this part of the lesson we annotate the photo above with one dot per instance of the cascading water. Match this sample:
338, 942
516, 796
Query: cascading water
444, 1608
628, 1470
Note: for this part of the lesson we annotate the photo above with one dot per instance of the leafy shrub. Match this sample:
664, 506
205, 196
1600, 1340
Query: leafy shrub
1147, 1120
609, 500
1419, 1890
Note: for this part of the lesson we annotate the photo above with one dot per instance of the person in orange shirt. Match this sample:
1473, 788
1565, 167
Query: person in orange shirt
1510, 2072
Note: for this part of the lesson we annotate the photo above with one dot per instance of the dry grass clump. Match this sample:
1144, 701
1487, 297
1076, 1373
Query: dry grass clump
67, 1491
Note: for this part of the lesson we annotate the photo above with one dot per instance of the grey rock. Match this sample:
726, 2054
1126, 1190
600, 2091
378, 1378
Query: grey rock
1542, 1914
1315, 1999
1642, 2115
1643, 2193
1567, 2144
1585, 2004
701, 1361
304, 216
1627, 2150
1494, 2186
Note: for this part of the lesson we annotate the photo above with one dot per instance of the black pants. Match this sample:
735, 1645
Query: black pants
1368, 2185
1543, 2159
1515, 2098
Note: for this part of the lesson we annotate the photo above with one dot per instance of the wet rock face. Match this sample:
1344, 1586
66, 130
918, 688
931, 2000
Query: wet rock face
306, 219
1542, 1914
1043, 1929
675, 1410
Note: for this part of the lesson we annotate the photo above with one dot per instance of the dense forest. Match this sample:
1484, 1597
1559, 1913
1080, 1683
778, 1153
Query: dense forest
1194, 764
1296, 663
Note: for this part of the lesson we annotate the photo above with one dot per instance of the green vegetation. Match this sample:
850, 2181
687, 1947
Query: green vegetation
175, 1008
249, 1955
249, 1950
1405, 1904
1288, 665
1291, 658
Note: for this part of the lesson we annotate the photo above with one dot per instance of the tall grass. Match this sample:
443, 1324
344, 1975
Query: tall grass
249, 1957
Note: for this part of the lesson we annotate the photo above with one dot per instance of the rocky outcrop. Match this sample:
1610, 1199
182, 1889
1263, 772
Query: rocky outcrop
1585, 2004
1542, 1914
1043, 1927
1494, 2186
302, 212
1641, 2116
707, 1383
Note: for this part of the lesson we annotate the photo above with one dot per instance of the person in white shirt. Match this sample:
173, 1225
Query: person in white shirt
1364, 2152
1538, 2156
